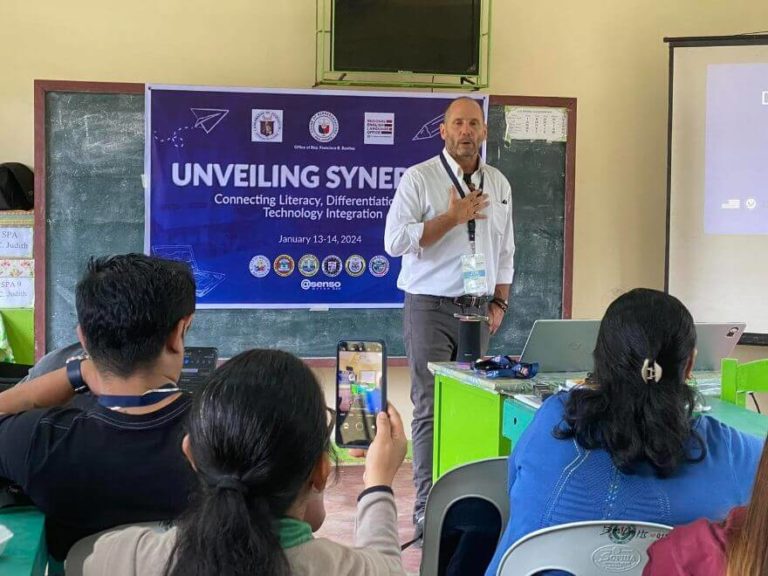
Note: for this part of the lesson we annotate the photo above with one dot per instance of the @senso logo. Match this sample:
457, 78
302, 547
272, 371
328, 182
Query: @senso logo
320, 285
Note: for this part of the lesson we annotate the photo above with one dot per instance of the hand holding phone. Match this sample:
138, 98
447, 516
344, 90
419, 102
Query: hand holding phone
387, 450
361, 390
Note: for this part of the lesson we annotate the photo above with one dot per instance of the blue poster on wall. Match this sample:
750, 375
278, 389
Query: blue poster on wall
278, 198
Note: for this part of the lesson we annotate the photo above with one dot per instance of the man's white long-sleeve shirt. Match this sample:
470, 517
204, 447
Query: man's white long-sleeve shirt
423, 194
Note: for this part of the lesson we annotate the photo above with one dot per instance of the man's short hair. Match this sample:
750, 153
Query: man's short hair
459, 99
128, 305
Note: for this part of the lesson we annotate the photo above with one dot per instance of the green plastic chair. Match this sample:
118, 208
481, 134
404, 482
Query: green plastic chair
737, 380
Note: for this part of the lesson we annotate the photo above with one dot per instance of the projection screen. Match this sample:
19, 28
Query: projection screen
717, 181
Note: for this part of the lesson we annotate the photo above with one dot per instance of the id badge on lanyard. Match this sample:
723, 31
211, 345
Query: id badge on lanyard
473, 268
473, 272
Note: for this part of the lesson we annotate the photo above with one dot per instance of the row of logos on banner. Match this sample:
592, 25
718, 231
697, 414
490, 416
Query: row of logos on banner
310, 265
378, 127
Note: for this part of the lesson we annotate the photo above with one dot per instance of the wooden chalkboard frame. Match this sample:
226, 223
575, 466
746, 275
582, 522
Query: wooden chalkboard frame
570, 179
43, 87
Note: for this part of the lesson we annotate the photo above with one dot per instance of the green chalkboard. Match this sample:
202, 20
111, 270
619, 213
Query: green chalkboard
93, 153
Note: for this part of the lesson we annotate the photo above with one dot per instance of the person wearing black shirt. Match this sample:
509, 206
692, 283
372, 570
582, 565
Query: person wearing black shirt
115, 459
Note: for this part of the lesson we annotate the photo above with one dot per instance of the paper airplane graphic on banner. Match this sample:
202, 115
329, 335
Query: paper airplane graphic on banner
429, 129
208, 118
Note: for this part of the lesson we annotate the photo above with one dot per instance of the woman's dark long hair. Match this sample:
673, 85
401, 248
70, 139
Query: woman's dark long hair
637, 419
256, 431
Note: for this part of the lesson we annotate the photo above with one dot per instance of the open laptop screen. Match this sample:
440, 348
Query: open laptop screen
567, 345
715, 341
561, 345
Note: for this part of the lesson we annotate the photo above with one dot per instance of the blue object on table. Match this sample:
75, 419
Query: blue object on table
505, 367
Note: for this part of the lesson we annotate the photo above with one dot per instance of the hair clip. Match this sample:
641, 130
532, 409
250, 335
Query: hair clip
649, 372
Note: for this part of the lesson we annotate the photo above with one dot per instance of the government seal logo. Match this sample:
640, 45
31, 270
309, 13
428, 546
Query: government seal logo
324, 126
259, 266
309, 265
331, 266
284, 265
355, 265
266, 125
378, 266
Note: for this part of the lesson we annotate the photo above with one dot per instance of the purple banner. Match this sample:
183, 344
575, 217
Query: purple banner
279, 198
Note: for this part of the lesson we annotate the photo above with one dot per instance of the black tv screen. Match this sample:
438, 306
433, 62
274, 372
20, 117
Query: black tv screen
422, 36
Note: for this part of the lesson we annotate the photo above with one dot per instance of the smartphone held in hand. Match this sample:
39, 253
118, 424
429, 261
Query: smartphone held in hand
361, 390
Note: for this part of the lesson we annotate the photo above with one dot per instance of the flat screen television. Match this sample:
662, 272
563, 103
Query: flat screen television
419, 36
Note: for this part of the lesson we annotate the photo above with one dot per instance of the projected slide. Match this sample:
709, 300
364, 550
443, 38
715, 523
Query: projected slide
736, 180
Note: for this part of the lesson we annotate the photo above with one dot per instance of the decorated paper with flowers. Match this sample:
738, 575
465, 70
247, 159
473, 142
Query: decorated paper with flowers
17, 283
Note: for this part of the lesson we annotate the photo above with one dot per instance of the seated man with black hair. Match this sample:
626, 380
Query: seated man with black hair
117, 459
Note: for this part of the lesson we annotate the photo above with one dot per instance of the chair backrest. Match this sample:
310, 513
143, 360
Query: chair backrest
73, 565
738, 379
594, 547
484, 479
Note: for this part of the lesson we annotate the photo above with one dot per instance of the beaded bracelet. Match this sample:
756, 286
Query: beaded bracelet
500, 303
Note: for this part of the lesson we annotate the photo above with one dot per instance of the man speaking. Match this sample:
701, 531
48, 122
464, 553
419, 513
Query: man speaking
451, 221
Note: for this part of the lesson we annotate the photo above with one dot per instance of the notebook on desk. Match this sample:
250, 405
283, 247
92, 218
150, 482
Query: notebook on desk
715, 341
561, 345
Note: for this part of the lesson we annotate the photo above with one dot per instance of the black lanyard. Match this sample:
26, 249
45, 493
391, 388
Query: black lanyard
146, 399
460, 189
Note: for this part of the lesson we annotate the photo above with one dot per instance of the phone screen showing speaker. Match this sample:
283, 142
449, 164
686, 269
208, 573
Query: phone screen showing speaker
360, 390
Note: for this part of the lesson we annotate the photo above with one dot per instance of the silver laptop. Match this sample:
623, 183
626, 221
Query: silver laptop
715, 341
561, 345
567, 345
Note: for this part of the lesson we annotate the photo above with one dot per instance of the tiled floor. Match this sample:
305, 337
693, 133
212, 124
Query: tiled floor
341, 502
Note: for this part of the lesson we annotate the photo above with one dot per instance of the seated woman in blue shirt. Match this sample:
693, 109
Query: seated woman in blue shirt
628, 446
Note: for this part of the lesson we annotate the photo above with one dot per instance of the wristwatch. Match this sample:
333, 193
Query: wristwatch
501, 303
75, 375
